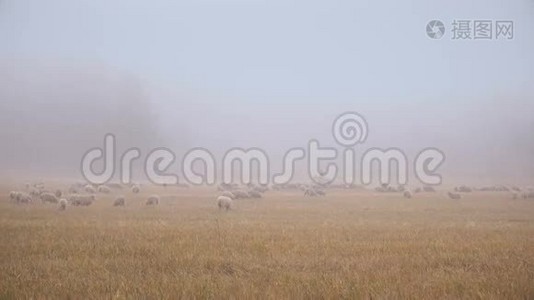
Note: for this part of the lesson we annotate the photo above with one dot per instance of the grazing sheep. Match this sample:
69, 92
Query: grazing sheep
227, 187
228, 194
320, 192
35, 192
73, 190
39, 187
49, 197
386, 188
254, 194
515, 189
407, 194
120, 201
463, 189
14, 195
24, 198
310, 192
224, 202
135, 189
454, 196
89, 189
82, 200
288, 186
495, 188
502, 188
103, 189
391, 189
380, 189
152, 200
260, 189
240, 194
62, 204
58, 193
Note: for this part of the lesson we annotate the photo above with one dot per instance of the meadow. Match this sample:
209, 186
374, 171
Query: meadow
349, 244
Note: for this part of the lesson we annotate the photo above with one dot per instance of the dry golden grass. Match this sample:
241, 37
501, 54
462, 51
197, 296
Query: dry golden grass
346, 245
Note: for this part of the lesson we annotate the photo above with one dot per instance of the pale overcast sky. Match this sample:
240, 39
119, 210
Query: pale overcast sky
272, 74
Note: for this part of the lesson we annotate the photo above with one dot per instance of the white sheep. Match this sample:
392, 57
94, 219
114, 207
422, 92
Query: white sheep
62, 204
259, 189
103, 189
24, 198
82, 200
120, 201
13, 195
380, 189
224, 202
310, 192
73, 189
463, 189
152, 200
58, 193
240, 194
49, 197
407, 194
35, 192
228, 194
89, 189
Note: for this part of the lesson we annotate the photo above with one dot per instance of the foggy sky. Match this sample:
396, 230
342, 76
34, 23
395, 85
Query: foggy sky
270, 74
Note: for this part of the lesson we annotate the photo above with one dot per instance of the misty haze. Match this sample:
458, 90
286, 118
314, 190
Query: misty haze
273, 76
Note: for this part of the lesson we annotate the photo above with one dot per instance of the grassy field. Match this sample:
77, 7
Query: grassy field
350, 244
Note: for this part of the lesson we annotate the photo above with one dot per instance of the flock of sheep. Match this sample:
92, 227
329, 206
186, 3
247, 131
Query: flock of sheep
231, 192
85, 194
77, 195
525, 193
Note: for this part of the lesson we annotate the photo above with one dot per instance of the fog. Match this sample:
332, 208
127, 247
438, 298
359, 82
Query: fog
266, 74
